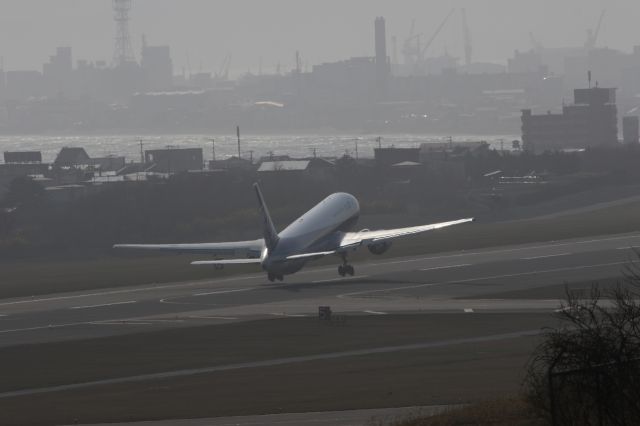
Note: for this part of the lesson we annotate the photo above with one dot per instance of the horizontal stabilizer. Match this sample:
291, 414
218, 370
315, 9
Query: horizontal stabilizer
227, 249
227, 262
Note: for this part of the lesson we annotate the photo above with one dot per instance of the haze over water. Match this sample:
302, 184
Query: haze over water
226, 145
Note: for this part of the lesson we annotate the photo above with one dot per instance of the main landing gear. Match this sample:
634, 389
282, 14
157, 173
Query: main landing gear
273, 277
345, 268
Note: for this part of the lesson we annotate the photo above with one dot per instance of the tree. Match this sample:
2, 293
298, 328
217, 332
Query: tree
23, 191
587, 370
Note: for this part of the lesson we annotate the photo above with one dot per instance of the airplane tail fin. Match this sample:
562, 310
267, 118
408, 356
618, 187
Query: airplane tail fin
270, 234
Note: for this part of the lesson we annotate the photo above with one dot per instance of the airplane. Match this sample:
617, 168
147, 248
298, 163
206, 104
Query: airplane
322, 231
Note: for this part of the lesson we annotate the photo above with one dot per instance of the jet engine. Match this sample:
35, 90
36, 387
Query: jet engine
379, 248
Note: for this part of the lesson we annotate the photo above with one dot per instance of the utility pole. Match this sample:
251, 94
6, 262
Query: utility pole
356, 142
141, 152
379, 139
251, 156
238, 134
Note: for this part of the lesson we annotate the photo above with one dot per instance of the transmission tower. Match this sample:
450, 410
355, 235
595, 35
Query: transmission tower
123, 52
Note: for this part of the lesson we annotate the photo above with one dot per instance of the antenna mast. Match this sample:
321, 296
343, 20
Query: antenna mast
123, 52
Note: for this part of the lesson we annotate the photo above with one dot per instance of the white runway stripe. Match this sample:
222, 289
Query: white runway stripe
130, 302
447, 267
239, 290
546, 256
339, 279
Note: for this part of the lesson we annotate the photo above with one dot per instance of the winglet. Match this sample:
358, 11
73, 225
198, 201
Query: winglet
270, 234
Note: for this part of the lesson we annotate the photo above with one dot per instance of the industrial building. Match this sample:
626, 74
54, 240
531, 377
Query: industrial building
631, 130
23, 157
592, 120
174, 160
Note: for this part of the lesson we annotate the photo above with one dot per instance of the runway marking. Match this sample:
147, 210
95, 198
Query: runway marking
44, 327
239, 290
274, 362
282, 314
546, 256
447, 267
375, 312
105, 305
163, 320
309, 271
469, 311
627, 248
73, 324
508, 250
216, 318
339, 279
120, 323
544, 271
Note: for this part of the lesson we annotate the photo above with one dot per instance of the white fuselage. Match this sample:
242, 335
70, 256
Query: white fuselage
316, 229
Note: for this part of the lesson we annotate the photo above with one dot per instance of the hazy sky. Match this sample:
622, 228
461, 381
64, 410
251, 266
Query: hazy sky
201, 32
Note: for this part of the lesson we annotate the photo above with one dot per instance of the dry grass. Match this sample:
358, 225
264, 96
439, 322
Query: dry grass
500, 412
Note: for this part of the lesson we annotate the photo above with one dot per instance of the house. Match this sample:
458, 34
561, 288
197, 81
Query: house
387, 157
316, 168
72, 158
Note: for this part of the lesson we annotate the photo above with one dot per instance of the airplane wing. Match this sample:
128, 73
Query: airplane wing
357, 239
226, 262
241, 249
369, 237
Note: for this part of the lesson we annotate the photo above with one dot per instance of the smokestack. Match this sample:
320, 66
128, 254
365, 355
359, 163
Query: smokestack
382, 63
381, 43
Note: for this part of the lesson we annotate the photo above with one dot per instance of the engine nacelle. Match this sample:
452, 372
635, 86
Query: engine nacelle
379, 248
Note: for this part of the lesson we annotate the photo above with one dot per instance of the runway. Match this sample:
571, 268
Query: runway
489, 280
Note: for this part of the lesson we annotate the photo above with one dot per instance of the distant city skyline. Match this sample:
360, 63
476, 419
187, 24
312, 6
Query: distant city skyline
200, 32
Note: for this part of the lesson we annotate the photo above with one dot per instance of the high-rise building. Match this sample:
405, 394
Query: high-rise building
158, 67
591, 121
58, 71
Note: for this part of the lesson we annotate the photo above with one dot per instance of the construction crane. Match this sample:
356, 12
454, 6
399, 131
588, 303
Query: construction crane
468, 47
592, 36
410, 50
223, 73
435, 34
537, 46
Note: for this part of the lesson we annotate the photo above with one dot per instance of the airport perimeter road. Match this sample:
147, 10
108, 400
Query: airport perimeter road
511, 279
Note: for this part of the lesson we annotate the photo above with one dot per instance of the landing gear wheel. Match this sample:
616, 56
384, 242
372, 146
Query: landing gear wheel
349, 270
271, 277
342, 271
280, 278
